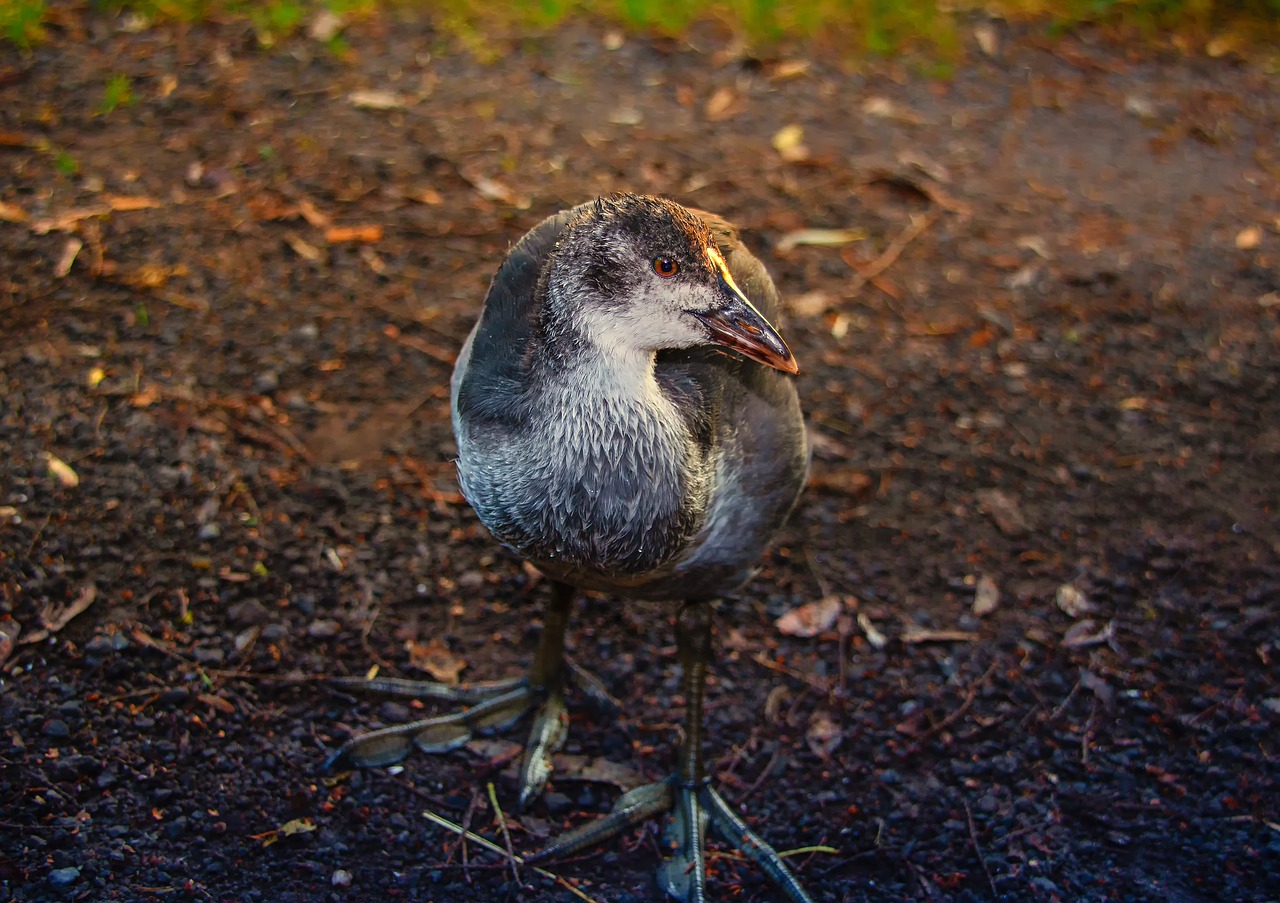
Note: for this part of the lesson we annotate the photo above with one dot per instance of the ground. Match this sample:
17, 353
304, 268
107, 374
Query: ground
1039, 554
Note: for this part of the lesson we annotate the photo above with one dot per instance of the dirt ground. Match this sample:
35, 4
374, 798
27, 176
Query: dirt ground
1040, 549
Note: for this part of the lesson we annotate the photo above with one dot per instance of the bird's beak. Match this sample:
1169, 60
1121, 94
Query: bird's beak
738, 325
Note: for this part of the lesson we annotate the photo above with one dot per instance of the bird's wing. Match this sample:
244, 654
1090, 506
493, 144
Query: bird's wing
492, 363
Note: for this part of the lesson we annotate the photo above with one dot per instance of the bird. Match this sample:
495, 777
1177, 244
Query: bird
627, 421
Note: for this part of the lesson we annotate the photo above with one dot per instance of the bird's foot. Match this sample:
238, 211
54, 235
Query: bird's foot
487, 708
690, 807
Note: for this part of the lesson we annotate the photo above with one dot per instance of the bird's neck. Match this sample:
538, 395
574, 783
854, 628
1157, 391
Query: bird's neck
597, 358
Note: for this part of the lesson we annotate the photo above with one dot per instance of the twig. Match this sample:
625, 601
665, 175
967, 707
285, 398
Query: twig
494, 848
957, 714
800, 851
435, 352
506, 835
462, 838
735, 856
977, 847
734, 758
1053, 716
763, 776
890, 254
821, 686
1088, 735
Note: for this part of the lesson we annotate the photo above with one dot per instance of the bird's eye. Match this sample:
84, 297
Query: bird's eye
665, 267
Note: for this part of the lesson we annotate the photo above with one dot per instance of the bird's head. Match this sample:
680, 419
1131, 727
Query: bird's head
642, 274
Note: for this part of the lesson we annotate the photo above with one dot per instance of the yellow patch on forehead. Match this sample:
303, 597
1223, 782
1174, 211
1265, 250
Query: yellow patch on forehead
718, 261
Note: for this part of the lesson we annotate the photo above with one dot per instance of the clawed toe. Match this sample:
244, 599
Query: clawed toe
493, 707
734, 831
682, 874
500, 705
488, 707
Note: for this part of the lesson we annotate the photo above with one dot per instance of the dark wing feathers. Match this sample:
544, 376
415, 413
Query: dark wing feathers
496, 368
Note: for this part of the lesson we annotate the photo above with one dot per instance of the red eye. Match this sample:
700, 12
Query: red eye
665, 267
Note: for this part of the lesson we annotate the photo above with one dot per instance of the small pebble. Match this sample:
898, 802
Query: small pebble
63, 877
324, 629
341, 878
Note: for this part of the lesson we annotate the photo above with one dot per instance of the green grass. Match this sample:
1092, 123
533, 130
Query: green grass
117, 93
850, 27
66, 164
20, 21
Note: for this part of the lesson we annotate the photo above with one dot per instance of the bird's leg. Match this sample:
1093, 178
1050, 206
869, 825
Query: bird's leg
684, 872
546, 679
487, 707
687, 795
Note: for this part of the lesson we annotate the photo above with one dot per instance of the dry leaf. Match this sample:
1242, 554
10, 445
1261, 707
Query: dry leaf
1099, 687
1249, 238
494, 749
927, 165
626, 116
303, 248
1072, 601
786, 69
1082, 634
152, 275
1035, 244
425, 196
810, 619
145, 397
67, 257
314, 216
374, 99
598, 770
297, 826
55, 617
877, 639
884, 108
789, 143
68, 221
823, 736
325, 26
61, 471
493, 190
288, 829
1004, 511
124, 203
367, 234
1221, 45
436, 659
722, 105
773, 704
986, 597
825, 237
988, 40
811, 304
912, 634
10, 630
217, 702
12, 213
